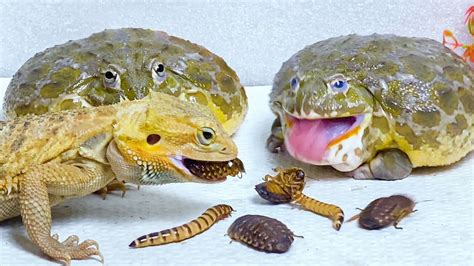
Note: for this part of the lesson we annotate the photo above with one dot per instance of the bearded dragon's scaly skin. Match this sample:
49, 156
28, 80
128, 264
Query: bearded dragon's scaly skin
126, 63
49, 158
391, 102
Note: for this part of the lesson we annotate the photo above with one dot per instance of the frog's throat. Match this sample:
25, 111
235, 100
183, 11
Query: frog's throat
327, 141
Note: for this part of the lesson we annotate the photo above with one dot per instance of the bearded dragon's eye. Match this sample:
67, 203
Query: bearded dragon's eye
206, 136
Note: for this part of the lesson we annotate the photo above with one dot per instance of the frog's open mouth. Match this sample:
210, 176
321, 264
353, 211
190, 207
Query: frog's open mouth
309, 139
210, 171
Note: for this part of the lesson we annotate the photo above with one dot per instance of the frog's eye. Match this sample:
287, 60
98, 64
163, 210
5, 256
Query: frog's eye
295, 83
158, 71
339, 84
111, 78
206, 136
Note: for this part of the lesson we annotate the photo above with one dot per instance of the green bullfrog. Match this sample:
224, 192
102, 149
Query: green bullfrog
374, 106
119, 64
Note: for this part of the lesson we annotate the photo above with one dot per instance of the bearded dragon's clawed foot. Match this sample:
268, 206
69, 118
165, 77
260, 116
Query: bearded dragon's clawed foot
114, 185
70, 248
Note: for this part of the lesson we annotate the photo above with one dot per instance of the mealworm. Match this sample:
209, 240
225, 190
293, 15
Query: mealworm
325, 209
383, 212
287, 186
185, 231
261, 233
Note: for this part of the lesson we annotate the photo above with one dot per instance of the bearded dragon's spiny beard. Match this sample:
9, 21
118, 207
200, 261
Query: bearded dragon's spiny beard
131, 167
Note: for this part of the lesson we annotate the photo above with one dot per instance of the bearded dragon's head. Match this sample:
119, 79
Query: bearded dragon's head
162, 139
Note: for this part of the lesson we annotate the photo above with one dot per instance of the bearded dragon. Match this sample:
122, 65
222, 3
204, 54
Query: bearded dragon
49, 158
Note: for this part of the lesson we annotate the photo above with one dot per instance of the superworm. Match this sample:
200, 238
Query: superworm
287, 186
325, 209
261, 233
185, 231
385, 211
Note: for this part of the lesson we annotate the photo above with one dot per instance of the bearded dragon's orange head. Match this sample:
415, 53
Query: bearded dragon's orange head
162, 139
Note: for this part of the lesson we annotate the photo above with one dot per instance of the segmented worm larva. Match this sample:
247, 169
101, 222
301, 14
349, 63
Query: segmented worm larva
185, 231
287, 186
327, 210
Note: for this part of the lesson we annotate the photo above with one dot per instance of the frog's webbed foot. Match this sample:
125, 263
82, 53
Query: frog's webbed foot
70, 248
275, 143
391, 164
114, 185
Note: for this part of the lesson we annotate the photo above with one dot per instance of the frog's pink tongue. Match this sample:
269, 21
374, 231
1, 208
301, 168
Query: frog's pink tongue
307, 140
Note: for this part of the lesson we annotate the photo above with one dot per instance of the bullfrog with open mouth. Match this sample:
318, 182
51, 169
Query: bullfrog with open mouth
374, 106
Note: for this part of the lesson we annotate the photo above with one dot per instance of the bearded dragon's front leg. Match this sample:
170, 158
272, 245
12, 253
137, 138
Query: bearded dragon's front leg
62, 180
112, 186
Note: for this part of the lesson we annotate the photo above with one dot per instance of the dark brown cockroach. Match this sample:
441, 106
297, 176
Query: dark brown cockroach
383, 212
261, 233
279, 188
185, 231
287, 186
215, 170
272, 192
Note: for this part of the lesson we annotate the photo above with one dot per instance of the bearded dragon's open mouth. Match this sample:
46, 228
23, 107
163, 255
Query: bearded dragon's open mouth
309, 139
210, 170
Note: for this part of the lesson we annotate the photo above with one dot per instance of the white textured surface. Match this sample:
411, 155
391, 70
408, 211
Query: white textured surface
439, 233
254, 37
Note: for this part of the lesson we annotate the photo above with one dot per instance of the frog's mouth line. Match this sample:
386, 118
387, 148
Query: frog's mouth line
309, 139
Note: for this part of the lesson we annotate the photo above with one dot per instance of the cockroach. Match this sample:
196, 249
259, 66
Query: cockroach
287, 186
272, 192
262, 233
185, 231
385, 211
279, 188
215, 170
